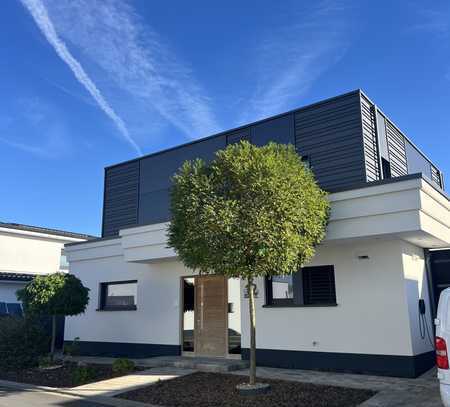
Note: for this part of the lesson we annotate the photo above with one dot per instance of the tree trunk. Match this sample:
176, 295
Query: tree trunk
251, 307
52, 348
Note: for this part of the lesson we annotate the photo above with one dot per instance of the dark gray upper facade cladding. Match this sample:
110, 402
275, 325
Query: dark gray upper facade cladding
347, 140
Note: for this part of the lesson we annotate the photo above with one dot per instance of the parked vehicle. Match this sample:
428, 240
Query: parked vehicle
442, 323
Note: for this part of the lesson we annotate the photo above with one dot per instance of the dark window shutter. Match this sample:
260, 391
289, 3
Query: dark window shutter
319, 285
298, 288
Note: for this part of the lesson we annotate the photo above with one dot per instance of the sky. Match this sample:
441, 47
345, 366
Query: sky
86, 84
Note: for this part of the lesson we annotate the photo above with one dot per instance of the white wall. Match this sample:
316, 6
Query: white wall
30, 253
372, 313
234, 297
416, 287
377, 301
157, 318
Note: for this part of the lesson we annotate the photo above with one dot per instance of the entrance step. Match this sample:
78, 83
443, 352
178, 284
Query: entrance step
203, 364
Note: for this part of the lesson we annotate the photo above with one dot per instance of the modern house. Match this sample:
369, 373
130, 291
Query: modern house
25, 252
364, 304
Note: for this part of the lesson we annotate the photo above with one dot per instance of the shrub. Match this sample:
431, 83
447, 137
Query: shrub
22, 343
56, 294
83, 374
72, 349
45, 361
123, 365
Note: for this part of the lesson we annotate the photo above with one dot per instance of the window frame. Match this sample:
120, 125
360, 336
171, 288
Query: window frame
103, 290
277, 302
300, 296
66, 265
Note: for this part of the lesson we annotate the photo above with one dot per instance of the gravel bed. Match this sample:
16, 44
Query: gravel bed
59, 377
216, 389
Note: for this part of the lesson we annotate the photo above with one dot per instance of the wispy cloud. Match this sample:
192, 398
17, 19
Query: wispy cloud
434, 21
136, 60
85, 99
40, 15
36, 127
44, 151
291, 58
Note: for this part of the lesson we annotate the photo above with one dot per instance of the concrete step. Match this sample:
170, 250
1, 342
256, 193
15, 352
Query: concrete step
217, 365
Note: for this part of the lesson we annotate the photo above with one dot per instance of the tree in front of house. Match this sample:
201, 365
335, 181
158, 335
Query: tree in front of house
251, 212
57, 294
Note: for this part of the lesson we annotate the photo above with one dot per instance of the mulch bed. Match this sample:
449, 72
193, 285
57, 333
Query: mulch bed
59, 377
214, 389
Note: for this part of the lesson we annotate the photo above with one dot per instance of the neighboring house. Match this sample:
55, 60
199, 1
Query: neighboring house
27, 251
364, 304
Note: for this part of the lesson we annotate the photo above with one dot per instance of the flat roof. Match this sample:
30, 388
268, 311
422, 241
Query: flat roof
49, 231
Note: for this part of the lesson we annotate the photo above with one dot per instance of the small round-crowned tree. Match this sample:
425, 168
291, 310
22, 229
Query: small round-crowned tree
57, 294
251, 212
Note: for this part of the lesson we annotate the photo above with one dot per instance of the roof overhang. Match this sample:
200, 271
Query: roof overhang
410, 209
13, 277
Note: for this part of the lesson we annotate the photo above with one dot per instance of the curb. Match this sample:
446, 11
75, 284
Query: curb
109, 401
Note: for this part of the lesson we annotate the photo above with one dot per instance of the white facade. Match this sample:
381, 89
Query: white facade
28, 252
377, 298
375, 242
158, 314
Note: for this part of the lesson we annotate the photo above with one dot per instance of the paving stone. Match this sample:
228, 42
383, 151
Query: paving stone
392, 391
112, 387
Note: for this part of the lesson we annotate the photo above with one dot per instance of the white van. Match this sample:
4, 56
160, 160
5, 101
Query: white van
442, 323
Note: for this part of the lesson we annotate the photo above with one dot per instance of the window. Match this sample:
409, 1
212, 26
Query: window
308, 287
118, 296
282, 290
11, 308
63, 263
386, 166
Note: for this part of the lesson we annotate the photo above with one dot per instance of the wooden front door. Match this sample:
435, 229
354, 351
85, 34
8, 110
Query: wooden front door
211, 316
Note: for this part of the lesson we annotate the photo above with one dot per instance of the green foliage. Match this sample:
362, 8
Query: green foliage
54, 294
123, 365
253, 211
83, 374
22, 343
72, 349
45, 361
